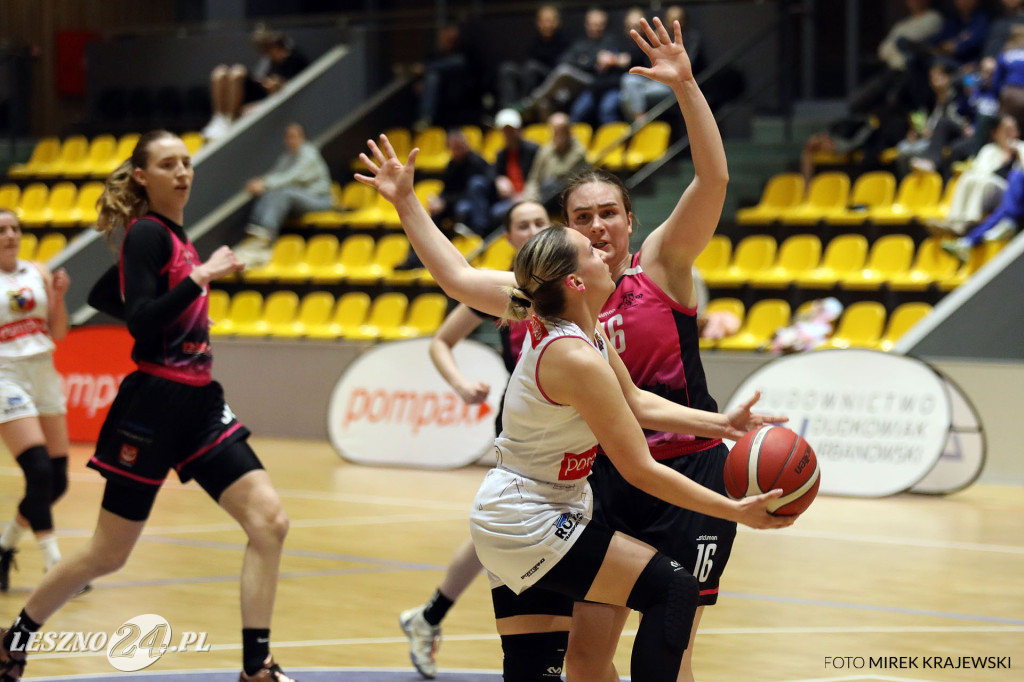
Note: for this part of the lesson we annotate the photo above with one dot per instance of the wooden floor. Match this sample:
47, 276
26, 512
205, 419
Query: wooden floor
905, 576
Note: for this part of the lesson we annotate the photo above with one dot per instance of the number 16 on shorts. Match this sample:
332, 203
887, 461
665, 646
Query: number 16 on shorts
142, 640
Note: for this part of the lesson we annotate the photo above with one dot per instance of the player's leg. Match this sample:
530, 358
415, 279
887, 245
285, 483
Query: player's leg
422, 624
595, 633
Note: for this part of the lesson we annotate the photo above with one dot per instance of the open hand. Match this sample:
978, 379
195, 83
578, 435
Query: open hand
389, 176
669, 62
742, 420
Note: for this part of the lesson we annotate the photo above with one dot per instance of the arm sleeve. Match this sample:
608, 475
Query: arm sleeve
105, 295
147, 249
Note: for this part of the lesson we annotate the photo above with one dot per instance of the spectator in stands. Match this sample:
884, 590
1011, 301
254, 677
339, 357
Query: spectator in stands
299, 182
984, 178
512, 165
556, 162
923, 23
1008, 77
958, 42
999, 30
946, 124
450, 90
600, 101
232, 88
575, 71
638, 94
516, 80
1000, 224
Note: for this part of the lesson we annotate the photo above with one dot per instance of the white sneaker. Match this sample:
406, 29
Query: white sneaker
424, 639
958, 248
217, 127
1004, 229
253, 251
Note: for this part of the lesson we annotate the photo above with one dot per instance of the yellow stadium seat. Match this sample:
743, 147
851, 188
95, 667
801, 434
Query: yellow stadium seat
474, 137
845, 254
391, 250
386, 314
870, 191
321, 252
537, 133
355, 252
799, 254
193, 141
285, 256
890, 255
278, 312
401, 142
426, 312
101, 151
349, 314
918, 193
583, 132
244, 311
498, 256
63, 204
764, 318
826, 197
859, 327
931, 265
27, 248
73, 156
33, 207
433, 146
9, 195
649, 143
44, 155
466, 244
730, 305
494, 142
900, 322
980, 255
125, 147
219, 302
314, 311
753, 254
714, 259
782, 191
609, 145
88, 195
380, 212
49, 246
941, 209
354, 196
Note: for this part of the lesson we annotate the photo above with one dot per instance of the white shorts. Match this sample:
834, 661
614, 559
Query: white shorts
29, 388
521, 527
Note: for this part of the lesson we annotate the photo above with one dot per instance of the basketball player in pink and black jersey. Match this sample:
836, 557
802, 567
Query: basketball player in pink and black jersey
168, 413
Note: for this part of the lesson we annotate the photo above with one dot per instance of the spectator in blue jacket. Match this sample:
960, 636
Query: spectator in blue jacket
1001, 224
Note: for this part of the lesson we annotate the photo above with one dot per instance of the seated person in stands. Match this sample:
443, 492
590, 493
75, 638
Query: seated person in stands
299, 182
946, 125
1001, 224
511, 167
233, 88
556, 162
517, 79
600, 101
449, 93
638, 94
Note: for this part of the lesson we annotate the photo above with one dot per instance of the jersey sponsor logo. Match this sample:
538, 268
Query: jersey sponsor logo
577, 465
532, 570
630, 299
566, 524
20, 328
22, 300
128, 455
537, 330
415, 408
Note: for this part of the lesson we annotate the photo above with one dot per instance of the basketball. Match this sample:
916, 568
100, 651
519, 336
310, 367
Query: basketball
773, 457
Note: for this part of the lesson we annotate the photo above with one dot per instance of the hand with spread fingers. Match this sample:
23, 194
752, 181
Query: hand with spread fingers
390, 177
742, 420
669, 62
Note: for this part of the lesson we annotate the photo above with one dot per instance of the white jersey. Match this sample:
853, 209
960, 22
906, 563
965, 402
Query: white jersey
535, 503
24, 331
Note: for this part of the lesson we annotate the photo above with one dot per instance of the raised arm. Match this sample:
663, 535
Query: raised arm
479, 289
674, 245
573, 374
457, 326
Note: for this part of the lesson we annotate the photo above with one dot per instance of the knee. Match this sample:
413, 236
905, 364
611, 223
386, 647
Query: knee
107, 560
583, 665
35, 506
58, 477
237, 72
268, 525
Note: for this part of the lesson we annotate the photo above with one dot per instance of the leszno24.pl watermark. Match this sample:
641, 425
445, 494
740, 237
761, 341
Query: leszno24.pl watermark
137, 644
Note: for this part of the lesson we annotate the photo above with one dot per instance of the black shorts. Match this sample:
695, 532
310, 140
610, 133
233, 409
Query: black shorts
565, 584
694, 540
155, 424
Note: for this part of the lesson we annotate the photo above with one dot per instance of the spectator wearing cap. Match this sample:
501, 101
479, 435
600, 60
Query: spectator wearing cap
512, 165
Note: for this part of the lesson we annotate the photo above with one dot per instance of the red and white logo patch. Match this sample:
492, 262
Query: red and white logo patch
577, 465
129, 453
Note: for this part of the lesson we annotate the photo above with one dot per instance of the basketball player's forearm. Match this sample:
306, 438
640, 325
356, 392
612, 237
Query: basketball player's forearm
709, 161
657, 413
674, 488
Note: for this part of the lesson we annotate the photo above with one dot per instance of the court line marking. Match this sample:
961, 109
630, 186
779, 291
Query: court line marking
891, 540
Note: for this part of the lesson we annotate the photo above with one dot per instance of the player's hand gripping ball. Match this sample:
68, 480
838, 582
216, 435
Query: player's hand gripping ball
773, 457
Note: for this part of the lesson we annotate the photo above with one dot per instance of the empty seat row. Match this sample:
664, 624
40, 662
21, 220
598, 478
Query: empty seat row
847, 263
359, 259
41, 249
862, 325
78, 157
874, 198
319, 316
65, 205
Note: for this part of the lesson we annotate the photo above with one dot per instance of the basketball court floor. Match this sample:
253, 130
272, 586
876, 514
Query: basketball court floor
896, 589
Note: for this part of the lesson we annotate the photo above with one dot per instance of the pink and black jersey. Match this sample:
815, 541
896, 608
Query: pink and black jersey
658, 341
166, 311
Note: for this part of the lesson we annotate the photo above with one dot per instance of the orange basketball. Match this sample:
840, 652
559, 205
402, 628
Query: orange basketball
773, 457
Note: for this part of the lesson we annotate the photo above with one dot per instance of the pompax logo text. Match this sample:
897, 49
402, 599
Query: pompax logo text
417, 409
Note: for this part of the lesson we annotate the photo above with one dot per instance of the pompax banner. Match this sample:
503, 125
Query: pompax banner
392, 407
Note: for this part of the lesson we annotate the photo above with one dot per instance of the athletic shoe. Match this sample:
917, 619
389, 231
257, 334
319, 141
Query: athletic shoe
1004, 229
6, 561
424, 639
958, 248
12, 664
270, 672
254, 251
